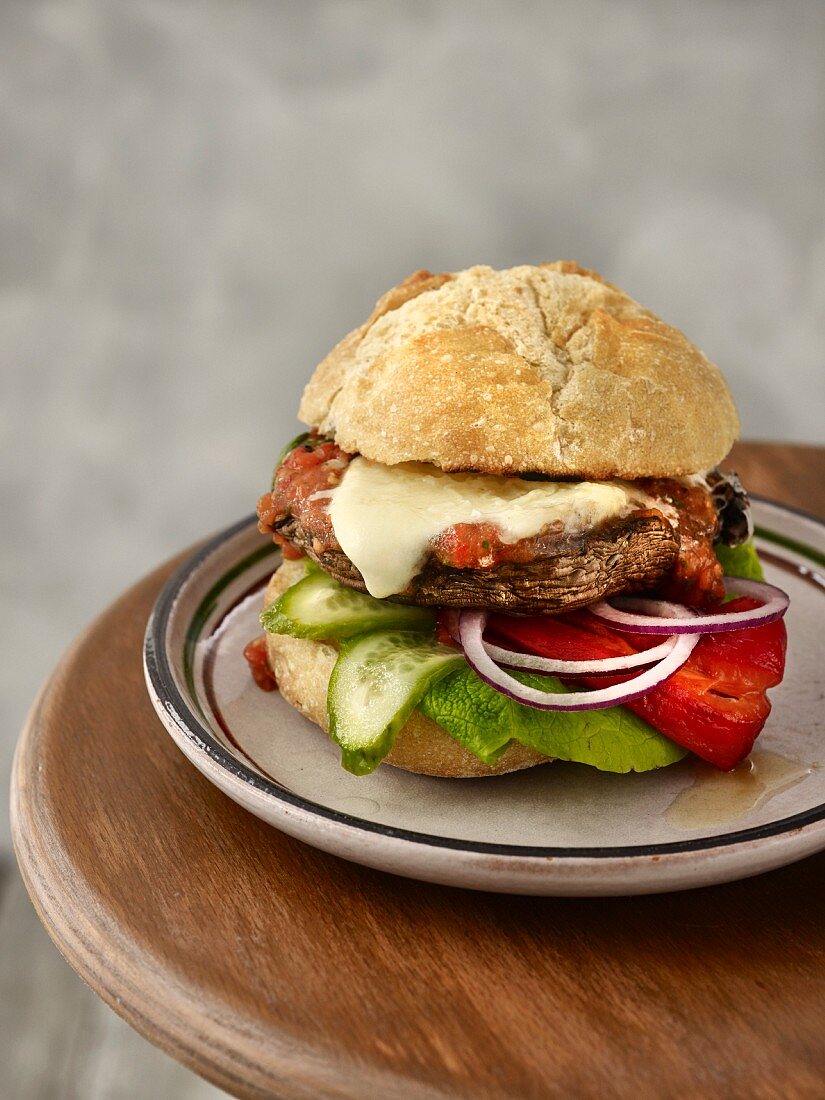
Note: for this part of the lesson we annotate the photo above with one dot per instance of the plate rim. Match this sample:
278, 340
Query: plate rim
164, 689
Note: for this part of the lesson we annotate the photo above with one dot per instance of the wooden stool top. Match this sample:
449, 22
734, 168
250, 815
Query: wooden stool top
276, 970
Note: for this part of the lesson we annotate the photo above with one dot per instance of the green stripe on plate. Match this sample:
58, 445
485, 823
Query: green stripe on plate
205, 609
800, 548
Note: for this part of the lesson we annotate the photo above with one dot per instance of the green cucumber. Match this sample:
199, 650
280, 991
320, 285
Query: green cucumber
377, 682
319, 607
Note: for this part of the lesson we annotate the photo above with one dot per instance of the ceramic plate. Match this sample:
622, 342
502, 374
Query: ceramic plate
556, 829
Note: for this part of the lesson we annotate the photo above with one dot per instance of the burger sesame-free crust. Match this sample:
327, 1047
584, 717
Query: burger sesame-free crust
545, 369
303, 668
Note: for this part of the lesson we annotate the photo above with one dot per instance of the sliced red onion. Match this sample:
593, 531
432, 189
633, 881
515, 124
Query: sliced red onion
509, 658
673, 618
471, 631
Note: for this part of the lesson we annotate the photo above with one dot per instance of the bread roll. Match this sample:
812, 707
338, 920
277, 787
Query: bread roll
545, 369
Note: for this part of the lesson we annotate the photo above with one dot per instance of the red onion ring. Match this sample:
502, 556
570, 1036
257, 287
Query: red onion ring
471, 632
510, 658
672, 618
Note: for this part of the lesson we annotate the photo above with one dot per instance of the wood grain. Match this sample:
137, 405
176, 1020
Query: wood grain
58, 1041
278, 971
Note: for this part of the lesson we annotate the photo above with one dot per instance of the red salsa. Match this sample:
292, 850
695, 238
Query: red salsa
310, 469
696, 579
313, 468
258, 661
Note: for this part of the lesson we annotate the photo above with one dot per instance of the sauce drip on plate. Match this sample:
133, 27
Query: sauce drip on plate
716, 798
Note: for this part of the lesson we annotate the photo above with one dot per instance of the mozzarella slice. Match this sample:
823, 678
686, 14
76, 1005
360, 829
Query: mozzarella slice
385, 516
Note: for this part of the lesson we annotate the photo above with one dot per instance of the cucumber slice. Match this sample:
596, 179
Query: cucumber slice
319, 607
377, 681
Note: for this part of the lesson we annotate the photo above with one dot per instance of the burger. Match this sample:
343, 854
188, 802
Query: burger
506, 538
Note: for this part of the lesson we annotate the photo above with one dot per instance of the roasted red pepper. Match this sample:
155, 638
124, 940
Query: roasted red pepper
715, 705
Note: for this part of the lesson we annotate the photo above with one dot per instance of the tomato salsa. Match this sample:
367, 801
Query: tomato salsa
304, 479
258, 661
308, 472
696, 579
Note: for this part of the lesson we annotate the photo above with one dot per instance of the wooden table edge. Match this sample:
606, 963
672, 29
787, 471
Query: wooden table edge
205, 1052
67, 934
196, 1028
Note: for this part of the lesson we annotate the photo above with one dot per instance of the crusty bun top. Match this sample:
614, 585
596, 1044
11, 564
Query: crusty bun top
545, 369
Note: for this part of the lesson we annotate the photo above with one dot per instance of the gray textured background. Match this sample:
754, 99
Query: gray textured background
198, 199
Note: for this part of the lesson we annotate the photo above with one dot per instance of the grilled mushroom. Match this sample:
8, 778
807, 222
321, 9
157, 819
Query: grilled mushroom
732, 507
629, 555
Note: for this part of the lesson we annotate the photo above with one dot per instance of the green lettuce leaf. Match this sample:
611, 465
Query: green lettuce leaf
485, 721
476, 716
740, 561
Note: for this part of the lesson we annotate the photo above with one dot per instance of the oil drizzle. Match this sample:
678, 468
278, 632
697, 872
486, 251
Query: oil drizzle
717, 798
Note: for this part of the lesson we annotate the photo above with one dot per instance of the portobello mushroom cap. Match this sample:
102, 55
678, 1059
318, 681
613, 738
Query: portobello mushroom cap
628, 555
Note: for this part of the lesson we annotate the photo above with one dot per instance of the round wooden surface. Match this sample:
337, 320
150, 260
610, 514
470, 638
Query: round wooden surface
276, 970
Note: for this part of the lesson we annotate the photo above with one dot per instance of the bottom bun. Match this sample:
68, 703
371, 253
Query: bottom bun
303, 668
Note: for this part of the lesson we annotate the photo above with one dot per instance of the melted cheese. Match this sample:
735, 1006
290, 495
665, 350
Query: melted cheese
385, 516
